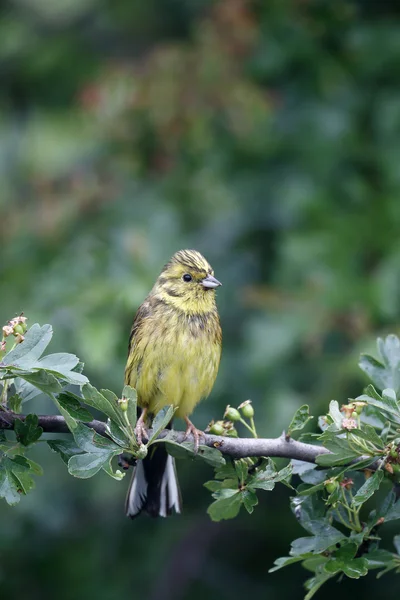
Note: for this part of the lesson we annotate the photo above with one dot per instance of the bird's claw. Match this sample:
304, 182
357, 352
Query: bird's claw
140, 430
196, 433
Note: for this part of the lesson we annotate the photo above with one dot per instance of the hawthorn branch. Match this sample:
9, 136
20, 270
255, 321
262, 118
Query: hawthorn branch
280, 447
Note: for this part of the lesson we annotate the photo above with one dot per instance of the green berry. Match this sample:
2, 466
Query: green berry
217, 429
331, 485
19, 329
232, 414
123, 404
247, 411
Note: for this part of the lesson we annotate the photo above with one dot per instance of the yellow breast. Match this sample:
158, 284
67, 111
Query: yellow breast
174, 357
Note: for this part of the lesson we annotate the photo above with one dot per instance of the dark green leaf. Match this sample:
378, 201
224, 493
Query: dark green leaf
302, 546
396, 543
393, 513
241, 468
300, 419
369, 434
27, 431
356, 568
70, 403
369, 488
249, 500
212, 456
227, 505
94, 398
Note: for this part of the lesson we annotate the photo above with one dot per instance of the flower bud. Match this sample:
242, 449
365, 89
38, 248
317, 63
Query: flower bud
232, 413
247, 409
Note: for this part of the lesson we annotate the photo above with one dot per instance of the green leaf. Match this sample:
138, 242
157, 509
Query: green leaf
90, 441
369, 488
284, 561
241, 468
385, 374
315, 583
36, 340
71, 404
14, 403
335, 414
393, 513
300, 419
227, 505
249, 500
396, 543
340, 454
212, 456
8, 486
160, 422
63, 365
368, 433
302, 545
129, 393
117, 434
325, 535
65, 448
42, 380
88, 464
94, 398
28, 430
386, 403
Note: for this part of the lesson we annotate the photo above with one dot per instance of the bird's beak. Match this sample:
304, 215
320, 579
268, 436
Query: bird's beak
210, 282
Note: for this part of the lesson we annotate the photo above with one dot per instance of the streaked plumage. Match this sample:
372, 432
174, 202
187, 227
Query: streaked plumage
174, 354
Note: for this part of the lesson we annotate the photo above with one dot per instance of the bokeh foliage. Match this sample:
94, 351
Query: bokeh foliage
264, 134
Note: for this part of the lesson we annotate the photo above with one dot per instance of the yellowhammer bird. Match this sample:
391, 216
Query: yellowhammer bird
174, 354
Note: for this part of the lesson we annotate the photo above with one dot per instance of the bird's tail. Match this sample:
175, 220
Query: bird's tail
154, 488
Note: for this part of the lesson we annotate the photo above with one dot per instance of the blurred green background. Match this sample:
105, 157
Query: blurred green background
265, 134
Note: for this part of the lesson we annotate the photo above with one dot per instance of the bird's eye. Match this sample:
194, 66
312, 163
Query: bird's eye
187, 277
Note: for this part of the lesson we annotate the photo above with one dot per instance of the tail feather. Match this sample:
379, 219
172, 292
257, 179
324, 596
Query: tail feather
154, 488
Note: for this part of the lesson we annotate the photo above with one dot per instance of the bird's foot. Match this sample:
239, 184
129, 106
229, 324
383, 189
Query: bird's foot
140, 429
196, 433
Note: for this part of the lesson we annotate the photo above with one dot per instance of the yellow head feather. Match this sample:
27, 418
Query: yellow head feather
187, 282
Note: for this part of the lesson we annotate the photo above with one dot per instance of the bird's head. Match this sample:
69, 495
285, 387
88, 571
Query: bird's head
187, 282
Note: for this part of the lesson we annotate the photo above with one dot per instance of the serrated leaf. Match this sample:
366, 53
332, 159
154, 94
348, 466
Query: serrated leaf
300, 419
36, 340
369, 488
160, 422
385, 403
325, 535
227, 506
28, 430
71, 404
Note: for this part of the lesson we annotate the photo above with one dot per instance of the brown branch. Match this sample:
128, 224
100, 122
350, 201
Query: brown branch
280, 447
